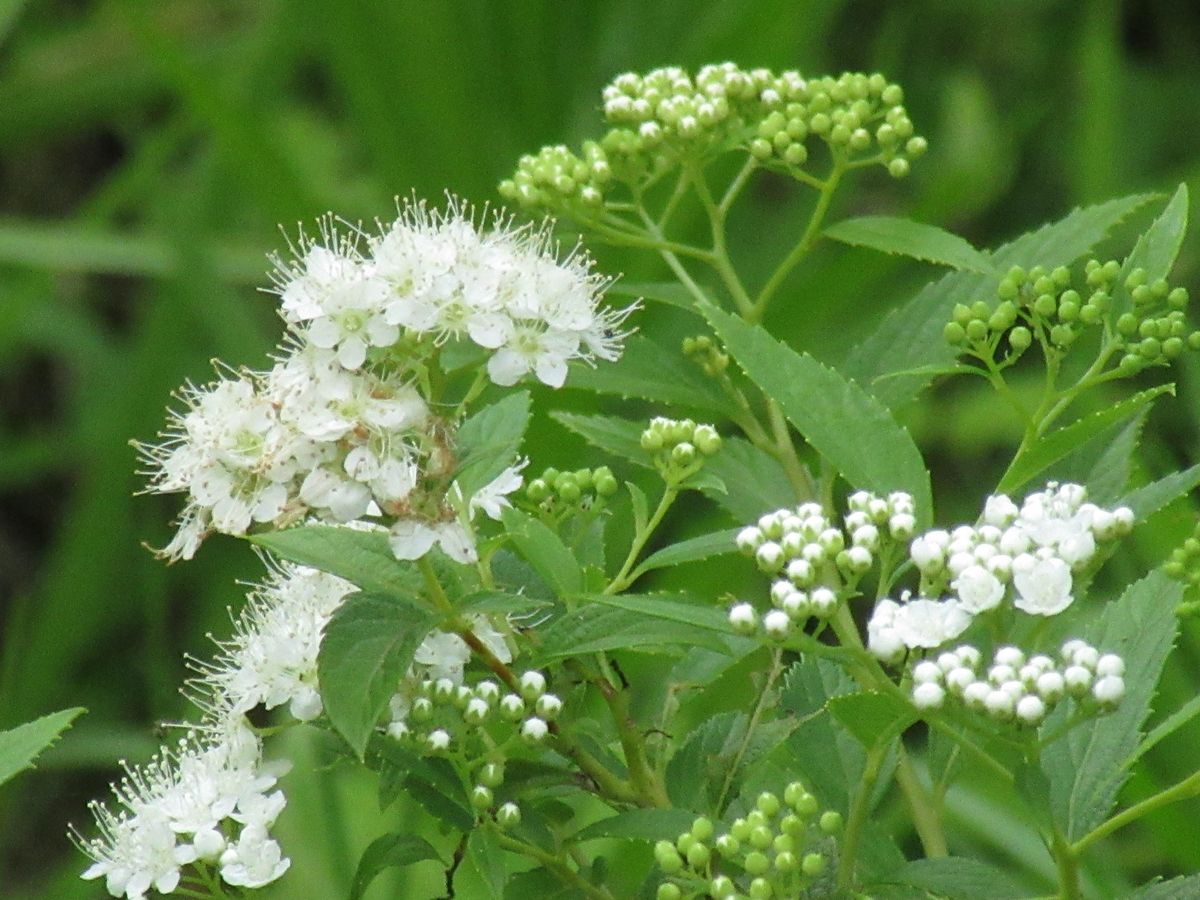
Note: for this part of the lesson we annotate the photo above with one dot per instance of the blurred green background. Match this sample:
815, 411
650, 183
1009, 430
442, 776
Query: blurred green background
148, 151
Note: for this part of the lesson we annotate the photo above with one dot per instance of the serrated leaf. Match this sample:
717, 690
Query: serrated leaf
1110, 474
500, 603
661, 606
363, 558
366, 649
704, 758
755, 482
595, 627
904, 237
871, 716
828, 755
1147, 500
650, 372
20, 746
1058, 444
388, 852
1165, 729
1155, 251
641, 509
545, 551
840, 420
432, 781
488, 442
705, 546
1085, 767
639, 825
957, 878
910, 337
1186, 888
488, 859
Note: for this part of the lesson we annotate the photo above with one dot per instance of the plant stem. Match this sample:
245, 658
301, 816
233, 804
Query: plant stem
642, 775
925, 814
759, 707
553, 863
1189, 787
1067, 865
623, 578
858, 815
807, 240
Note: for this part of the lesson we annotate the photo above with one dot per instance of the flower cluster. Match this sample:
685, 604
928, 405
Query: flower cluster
1046, 305
667, 116
583, 487
1019, 688
679, 446
341, 428
206, 803
812, 560
476, 724
777, 849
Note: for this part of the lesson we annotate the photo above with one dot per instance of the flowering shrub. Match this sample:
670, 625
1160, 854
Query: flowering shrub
492, 642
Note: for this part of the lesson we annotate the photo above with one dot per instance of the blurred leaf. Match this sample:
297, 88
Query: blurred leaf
1154, 252
639, 825
1165, 729
488, 441
755, 482
825, 752
670, 293
660, 606
1149, 499
847, 426
385, 852
487, 857
362, 557
1085, 767
20, 746
1057, 444
905, 237
1186, 888
871, 716
595, 627
366, 649
957, 878
545, 551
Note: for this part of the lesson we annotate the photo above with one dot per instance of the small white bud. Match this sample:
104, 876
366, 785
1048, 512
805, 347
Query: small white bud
444, 689
866, 536
398, 731
1070, 648
927, 556
533, 685
488, 690
780, 590
959, 679
976, 693
999, 510
438, 740
1031, 710
743, 618
777, 624
534, 729
1087, 657
801, 573
928, 695
948, 660
750, 539
831, 540
925, 671
1010, 656
902, 525
797, 605
548, 706
824, 602
1000, 673
814, 553
855, 520
859, 560
859, 500
508, 815
793, 544
900, 502
1109, 690
878, 510
968, 654
771, 525
1014, 542
1014, 689
1078, 680
477, 710
769, 557
792, 524
1110, 664
1050, 686
512, 706
208, 844
1000, 565
1000, 704
960, 562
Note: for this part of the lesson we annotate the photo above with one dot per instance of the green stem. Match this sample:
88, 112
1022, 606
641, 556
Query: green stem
720, 252
1067, 865
735, 186
643, 776
760, 706
859, 810
807, 240
553, 863
1189, 787
925, 815
623, 578
784, 450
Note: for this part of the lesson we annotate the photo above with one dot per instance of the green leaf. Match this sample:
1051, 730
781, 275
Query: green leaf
433, 782
650, 372
1147, 500
488, 859
908, 238
705, 546
871, 717
367, 647
755, 482
595, 627
670, 293
361, 557
500, 603
488, 442
958, 878
1165, 729
841, 421
828, 755
660, 606
20, 746
1058, 444
1186, 888
910, 337
699, 766
1155, 251
639, 825
1085, 768
545, 551
387, 852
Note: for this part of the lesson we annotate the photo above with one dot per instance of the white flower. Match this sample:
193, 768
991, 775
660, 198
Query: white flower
254, 861
492, 498
978, 589
413, 538
444, 654
921, 623
1043, 585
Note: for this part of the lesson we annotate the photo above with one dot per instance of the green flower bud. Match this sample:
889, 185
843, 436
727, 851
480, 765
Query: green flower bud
860, 139
761, 149
813, 864
584, 478
761, 837
1130, 364
652, 440
1193, 340
892, 95
568, 490
1111, 269
508, 815
819, 123
1101, 300
1062, 335
740, 829
830, 822
685, 842
806, 806
756, 863
839, 134
1178, 298
481, 797
795, 155
1172, 347
916, 146
898, 167
768, 804
668, 891
1127, 324
1150, 349
1008, 289
1068, 310
722, 887
1045, 285
954, 333
784, 843
786, 862
977, 330
698, 855
683, 454
702, 829
728, 845
606, 485
492, 775
1061, 276
1159, 288
962, 314
1089, 314
706, 439
1142, 295
1045, 305
760, 889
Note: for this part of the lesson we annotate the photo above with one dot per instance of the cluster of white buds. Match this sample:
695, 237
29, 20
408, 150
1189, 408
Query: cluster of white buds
808, 557
680, 446
1035, 548
442, 717
207, 802
667, 116
338, 430
1019, 688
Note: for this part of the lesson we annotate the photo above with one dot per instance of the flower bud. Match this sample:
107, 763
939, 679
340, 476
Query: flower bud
534, 730
548, 706
777, 624
743, 618
481, 797
533, 685
512, 706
